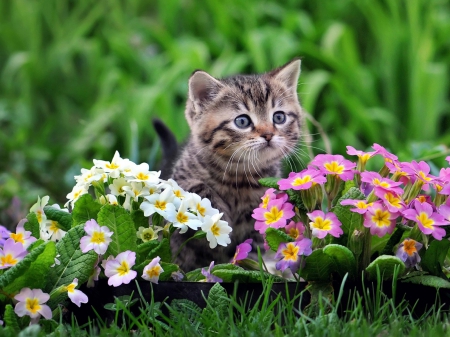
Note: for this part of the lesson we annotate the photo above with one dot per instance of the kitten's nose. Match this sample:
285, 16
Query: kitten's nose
267, 136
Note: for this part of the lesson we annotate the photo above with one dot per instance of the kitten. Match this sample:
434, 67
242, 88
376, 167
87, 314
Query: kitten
241, 127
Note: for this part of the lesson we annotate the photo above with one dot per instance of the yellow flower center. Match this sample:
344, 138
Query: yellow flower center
364, 158
18, 237
425, 220
182, 218
320, 223
265, 202
39, 216
7, 260
393, 200
112, 166
123, 269
409, 246
160, 205
148, 234
201, 210
98, 237
215, 230
54, 226
424, 176
290, 252
381, 218
383, 184
178, 194
273, 215
334, 167
361, 205
422, 198
154, 272
294, 233
71, 287
33, 305
301, 181
142, 176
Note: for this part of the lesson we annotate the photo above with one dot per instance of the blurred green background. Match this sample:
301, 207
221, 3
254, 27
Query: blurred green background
81, 79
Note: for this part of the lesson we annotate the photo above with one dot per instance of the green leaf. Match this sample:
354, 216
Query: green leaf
64, 219
393, 240
144, 249
275, 237
162, 250
119, 221
318, 267
169, 268
433, 259
387, 265
10, 318
296, 199
242, 275
186, 308
343, 258
31, 272
32, 225
73, 263
139, 219
428, 280
85, 208
218, 301
270, 182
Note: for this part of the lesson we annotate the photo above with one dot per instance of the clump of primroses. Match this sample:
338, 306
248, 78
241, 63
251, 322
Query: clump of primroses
400, 195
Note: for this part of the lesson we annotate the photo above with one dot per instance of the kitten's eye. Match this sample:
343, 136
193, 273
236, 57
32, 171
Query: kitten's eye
279, 117
242, 121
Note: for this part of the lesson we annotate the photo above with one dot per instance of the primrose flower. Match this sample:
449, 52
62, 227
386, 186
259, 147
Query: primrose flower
335, 165
184, 219
148, 234
159, 203
4, 234
242, 251
388, 157
302, 180
420, 171
75, 295
379, 219
97, 238
87, 177
21, 235
178, 193
142, 173
54, 231
290, 254
137, 189
428, 221
217, 231
209, 277
295, 230
275, 215
38, 209
117, 186
363, 157
113, 168
119, 271
202, 207
361, 206
153, 270
393, 201
322, 224
177, 276
31, 303
11, 253
271, 195
376, 180
93, 277
77, 192
408, 252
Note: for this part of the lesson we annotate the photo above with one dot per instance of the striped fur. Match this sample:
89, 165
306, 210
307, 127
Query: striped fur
224, 162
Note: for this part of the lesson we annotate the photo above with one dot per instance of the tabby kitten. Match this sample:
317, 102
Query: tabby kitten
241, 127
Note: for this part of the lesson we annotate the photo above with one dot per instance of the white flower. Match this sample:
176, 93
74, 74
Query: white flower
55, 233
217, 231
183, 218
159, 203
112, 200
113, 168
118, 186
148, 234
38, 209
152, 271
137, 189
76, 193
178, 193
201, 206
75, 295
88, 176
142, 173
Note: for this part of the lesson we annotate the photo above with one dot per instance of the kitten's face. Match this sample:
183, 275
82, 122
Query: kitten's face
246, 117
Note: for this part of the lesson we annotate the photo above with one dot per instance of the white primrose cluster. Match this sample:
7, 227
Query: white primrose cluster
134, 186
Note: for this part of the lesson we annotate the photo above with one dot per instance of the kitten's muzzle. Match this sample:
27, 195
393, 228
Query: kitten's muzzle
267, 136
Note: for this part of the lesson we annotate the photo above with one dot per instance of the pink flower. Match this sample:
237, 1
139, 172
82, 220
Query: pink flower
361, 206
295, 230
302, 180
363, 156
275, 216
4, 234
119, 269
408, 252
419, 171
379, 219
393, 201
97, 238
242, 251
290, 254
209, 277
22, 236
388, 157
153, 270
11, 253
428, 221
271, 195
335, 165
75, 295
376, 180
31, 303
322, 224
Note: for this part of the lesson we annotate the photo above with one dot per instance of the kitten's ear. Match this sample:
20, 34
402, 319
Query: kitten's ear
288, 74
202, 88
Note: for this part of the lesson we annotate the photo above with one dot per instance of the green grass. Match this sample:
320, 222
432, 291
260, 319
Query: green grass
79, 80
278, 317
